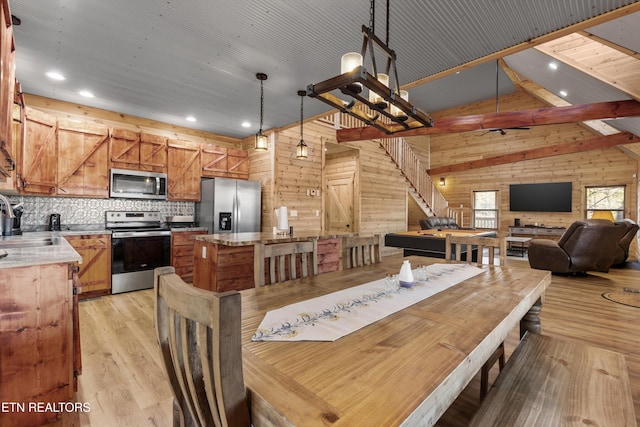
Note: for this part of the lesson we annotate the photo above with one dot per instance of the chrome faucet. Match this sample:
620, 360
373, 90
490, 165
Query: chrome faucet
4, 200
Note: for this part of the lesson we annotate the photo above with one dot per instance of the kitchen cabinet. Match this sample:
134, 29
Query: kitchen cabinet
9, 185
214, 161
153, 153
237, 163
182, 244
82, 159
37, 172
94, 273
124, 149
137, 151
36, 340
7, 89
183, 170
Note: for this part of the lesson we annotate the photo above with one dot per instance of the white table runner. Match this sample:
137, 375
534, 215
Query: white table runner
335, 315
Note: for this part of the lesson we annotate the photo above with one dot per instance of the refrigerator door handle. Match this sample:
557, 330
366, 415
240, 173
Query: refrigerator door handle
236, 212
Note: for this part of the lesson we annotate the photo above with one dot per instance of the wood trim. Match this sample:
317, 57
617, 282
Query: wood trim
532, 117
542, 152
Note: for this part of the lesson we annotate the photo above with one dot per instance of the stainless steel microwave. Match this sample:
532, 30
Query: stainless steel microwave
132, 184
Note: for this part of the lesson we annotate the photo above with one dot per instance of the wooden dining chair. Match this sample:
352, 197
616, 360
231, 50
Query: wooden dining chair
285, 261
199, 336
361, 250
497, 251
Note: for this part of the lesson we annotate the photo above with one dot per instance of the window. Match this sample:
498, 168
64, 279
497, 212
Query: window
485, 209
605, 202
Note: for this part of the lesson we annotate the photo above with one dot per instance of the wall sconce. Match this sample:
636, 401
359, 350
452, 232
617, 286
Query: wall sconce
442, 182
262, 142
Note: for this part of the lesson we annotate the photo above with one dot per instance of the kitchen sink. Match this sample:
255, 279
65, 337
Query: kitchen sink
28, 242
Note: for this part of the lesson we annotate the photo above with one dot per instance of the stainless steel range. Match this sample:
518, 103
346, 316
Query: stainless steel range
139, 243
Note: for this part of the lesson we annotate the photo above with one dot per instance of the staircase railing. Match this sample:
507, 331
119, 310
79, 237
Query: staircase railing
411, 166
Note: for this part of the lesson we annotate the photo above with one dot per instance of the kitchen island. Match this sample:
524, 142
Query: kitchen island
224, 261
39, 336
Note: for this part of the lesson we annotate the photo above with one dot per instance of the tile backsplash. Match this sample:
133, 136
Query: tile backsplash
74, 210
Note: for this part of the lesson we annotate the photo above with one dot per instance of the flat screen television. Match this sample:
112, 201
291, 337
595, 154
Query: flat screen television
543, 197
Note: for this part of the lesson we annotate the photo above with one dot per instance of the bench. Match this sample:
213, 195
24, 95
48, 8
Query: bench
550, 382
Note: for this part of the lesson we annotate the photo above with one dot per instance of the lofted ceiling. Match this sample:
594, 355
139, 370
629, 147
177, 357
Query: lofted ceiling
165, 60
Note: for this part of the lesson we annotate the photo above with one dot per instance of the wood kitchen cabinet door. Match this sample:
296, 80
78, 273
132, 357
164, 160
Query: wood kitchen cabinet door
39, 151
237, 163
124, 149
183, 170
95, 271
153, 153
214, 160
7, 89
82, 159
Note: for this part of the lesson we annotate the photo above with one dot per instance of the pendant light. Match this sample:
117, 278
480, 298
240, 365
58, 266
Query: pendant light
262, 142
301, 148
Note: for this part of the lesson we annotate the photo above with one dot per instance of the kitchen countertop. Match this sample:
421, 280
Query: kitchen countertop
30, 256
245, 239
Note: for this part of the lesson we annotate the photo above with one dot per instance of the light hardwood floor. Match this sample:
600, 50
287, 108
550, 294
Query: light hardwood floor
124, 382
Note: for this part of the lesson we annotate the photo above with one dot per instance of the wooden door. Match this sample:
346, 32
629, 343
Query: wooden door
339, 202
214, 160
183, 170
153, 153
237, 163
38, 168
124, 149
82, 159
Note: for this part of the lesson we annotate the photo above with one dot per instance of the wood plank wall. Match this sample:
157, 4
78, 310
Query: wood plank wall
609, 166
381, 191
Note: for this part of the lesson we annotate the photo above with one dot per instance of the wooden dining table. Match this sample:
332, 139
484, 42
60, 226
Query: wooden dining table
403, 370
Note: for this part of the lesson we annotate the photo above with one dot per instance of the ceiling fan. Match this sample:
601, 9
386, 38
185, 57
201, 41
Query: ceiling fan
501, 131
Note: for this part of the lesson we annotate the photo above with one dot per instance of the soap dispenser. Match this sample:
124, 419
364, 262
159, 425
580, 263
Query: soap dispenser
406, 276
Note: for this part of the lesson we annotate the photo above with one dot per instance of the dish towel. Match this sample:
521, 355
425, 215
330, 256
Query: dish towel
340, 313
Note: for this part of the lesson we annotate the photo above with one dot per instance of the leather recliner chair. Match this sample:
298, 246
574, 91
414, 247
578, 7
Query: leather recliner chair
622, 251
587, 245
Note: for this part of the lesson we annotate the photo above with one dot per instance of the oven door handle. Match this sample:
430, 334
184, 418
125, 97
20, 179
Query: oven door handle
125, 234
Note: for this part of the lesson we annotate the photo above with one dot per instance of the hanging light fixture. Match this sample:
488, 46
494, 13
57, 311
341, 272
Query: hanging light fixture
262, 142
301, 148
390, 110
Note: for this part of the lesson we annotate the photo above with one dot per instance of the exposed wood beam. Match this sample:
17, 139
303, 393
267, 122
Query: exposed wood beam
541, 152
553, 100
597, 20
524, 118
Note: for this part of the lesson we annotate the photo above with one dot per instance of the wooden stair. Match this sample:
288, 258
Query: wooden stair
422, 188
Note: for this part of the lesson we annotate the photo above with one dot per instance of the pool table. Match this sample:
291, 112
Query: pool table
430, 243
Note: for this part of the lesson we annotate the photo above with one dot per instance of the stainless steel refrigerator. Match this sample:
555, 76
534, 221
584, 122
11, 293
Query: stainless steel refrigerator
229, 205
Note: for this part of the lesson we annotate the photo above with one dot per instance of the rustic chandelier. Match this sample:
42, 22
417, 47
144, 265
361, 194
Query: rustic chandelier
390, 110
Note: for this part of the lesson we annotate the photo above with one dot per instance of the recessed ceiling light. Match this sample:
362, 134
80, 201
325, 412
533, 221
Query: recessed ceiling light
54, 75
563, 93
246, 125
191, 119
553, 65
86, 94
